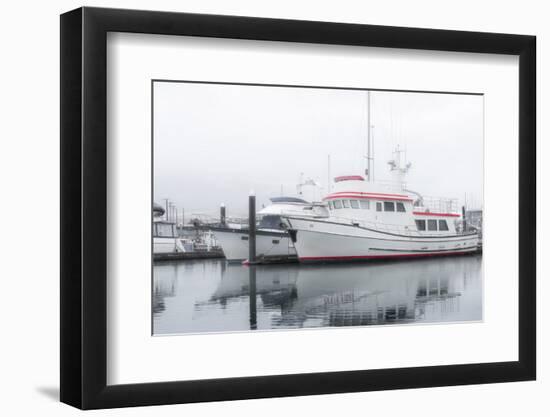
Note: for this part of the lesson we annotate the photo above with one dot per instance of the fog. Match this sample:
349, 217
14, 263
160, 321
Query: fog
215, 143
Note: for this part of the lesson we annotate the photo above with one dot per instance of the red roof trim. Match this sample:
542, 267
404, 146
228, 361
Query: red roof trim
429, 213
349, 178
368, 196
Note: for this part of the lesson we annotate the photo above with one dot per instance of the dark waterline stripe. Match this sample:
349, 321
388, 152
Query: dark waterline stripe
358, 257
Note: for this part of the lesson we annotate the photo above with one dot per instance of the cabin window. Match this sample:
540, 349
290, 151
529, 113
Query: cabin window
364, 204
443, 225
354, 204
389, 206
400, 207
378, 206
345, 203
164, 230
432, 225
330, 206
420, 225
337, 204
270, 221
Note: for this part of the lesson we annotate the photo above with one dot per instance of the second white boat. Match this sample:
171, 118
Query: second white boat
272, 239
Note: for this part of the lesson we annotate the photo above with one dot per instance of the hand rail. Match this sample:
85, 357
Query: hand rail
440, 204
382, 227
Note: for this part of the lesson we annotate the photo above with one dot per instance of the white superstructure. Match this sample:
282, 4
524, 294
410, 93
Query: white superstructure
373, 220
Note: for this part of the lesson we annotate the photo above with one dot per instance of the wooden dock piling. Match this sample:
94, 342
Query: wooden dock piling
251, 228
222, 214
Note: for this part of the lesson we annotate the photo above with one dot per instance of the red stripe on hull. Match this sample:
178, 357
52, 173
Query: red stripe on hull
405, 255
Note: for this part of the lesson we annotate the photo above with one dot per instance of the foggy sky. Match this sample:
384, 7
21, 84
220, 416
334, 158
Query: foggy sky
215, 143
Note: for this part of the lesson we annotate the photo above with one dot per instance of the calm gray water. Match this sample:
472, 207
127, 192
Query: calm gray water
213, 296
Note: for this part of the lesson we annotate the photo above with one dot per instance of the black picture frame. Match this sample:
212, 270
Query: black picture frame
84, 207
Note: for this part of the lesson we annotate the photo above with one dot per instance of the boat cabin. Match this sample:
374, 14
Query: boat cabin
379, 206
164, 229
270, 216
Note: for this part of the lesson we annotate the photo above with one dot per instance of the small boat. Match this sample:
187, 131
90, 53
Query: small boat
165, 236
379, 220
272, 239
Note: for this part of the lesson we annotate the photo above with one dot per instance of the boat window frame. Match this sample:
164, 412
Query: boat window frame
270, 221
420, 221
379, 206
345, 203
400, 204
364, 204
356, 202
440, 222
386, 204
337, 202
164, 227
430, 229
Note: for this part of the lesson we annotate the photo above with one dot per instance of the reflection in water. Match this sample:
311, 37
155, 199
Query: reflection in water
252, 294
212, 296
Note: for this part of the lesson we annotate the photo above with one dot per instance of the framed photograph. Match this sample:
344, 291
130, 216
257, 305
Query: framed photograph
260, 208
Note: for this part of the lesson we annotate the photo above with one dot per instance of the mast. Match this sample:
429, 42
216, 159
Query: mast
328, 173
372, 151
166, 204
368, 136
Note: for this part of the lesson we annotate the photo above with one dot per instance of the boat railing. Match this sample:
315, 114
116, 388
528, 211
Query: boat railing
409, 230
439, 204
393, 228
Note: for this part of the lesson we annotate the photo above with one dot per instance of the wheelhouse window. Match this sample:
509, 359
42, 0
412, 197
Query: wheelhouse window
432, 225
400, 207
364, 204
345, 203
443, 226
330, 206
354, 204
389, 206
337, 204
271, 221
420, 225
164, 230
378, 206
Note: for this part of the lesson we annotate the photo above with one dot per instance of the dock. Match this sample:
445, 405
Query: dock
179, 256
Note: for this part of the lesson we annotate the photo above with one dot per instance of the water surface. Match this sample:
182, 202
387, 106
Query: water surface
213, 296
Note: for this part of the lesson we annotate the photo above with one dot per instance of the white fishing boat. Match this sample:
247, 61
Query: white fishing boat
272, 239
165, 236
375, 220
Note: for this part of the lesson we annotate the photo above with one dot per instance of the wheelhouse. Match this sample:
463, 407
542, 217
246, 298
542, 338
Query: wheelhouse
368, 204
164, 229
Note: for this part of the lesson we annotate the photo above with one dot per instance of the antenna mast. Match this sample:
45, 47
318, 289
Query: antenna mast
368, 136
328, 173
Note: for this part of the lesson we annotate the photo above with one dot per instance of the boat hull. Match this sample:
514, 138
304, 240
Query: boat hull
269, 244
164, 245
325, 241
